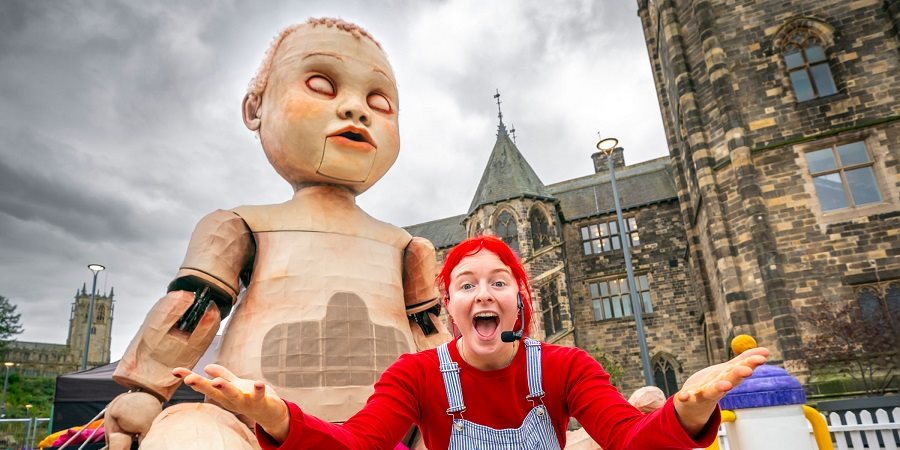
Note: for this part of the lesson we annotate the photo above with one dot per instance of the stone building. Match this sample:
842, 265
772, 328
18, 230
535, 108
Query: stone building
780, 194
567, 237
782, 125
45, 359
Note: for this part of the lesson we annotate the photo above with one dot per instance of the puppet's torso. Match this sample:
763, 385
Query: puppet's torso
323, 314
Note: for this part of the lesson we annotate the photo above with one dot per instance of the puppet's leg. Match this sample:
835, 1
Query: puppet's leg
198, 426
579, 440
129, 416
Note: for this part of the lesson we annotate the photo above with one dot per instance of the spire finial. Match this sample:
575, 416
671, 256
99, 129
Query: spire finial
501, 129
512, 132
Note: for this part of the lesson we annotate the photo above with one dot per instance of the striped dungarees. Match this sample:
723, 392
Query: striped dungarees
536, 431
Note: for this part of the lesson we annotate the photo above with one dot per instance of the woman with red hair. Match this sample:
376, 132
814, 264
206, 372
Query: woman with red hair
492, 386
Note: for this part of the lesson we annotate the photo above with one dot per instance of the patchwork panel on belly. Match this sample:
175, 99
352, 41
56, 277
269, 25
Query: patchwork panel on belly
344, 349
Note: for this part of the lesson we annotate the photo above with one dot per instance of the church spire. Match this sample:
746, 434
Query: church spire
501, 128
507, 174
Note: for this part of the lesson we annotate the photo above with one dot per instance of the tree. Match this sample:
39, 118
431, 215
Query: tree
9, 322
850, 343
610, 365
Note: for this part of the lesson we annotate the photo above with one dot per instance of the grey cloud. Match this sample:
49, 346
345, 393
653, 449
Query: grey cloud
121, 125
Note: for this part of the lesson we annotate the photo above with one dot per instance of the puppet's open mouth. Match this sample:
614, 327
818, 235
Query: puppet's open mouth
354, 136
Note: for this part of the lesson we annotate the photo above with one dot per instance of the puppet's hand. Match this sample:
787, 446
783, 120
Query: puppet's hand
697, 399
251, 398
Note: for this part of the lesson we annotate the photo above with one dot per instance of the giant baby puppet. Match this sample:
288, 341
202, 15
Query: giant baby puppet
322, 297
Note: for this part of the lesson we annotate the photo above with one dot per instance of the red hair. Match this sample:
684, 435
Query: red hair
496, 246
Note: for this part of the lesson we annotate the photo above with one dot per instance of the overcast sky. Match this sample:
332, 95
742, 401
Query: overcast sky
120, 123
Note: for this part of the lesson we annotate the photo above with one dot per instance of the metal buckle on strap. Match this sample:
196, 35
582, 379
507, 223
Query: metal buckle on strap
450, 367
453, 414
536, 398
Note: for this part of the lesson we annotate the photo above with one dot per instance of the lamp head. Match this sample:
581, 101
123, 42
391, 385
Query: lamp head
96, 267
607, 145
9, 364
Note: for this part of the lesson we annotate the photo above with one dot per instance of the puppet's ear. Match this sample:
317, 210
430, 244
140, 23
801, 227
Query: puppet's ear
251, 109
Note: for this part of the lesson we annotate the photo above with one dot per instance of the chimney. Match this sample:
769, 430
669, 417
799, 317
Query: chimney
600, 164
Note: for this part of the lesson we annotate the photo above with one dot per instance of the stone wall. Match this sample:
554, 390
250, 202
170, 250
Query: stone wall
674, 327
738, 137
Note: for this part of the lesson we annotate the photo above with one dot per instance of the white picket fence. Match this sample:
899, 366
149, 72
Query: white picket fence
866, 433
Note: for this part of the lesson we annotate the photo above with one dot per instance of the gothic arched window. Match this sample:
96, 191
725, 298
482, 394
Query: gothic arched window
540, 230
101, 313
551, 309
807, 65
476, 229
506, 229
892, 300
879, 305
664, 376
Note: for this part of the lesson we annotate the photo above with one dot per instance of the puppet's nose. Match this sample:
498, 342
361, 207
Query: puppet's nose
353, 110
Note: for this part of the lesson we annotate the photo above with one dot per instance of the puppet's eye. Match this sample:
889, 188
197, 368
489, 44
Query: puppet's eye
379, 102
320, 84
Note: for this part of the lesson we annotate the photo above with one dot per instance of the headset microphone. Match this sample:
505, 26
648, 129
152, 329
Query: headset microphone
512, 336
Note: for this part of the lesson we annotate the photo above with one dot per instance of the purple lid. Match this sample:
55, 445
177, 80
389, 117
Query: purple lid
768, 386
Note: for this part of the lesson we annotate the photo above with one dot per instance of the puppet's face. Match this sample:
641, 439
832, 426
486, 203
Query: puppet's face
329, 111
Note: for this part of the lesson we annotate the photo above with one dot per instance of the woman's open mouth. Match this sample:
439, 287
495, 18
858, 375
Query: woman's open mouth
486, 323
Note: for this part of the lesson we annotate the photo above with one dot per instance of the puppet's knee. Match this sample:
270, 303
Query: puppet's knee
198, 426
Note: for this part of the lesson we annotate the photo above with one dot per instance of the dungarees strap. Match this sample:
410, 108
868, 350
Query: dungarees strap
535, 383
450, 372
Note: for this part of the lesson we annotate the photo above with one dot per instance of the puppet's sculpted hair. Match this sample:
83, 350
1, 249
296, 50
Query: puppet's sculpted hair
258, 83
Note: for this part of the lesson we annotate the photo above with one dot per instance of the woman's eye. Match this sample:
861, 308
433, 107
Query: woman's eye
379, 102
320, 84
499, 283
467, 286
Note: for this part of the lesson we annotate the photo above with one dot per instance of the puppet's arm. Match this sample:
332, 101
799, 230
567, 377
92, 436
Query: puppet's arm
423, 302
182, 324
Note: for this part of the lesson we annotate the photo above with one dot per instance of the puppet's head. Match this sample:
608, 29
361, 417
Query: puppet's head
325, 106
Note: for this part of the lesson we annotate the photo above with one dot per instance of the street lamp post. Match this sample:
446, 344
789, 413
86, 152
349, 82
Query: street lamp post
5, 383
607, 146
29, 432
96, 268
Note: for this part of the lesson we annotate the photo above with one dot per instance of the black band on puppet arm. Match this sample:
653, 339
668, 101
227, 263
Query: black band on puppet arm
213, 294
423, 319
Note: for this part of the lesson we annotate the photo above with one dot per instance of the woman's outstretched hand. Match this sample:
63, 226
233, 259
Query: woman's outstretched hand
697, 399
250, 398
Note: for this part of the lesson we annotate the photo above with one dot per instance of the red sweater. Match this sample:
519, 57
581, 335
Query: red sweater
412, 391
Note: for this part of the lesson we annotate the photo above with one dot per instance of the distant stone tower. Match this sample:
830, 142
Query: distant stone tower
101, 326
512, 203
783, 125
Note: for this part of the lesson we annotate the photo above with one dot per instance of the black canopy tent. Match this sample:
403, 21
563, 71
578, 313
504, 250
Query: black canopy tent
82, 395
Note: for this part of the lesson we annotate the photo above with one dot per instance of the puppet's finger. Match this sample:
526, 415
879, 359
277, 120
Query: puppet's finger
215, 370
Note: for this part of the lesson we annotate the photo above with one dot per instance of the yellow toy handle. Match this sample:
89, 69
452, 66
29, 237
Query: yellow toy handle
727, 416
820, 428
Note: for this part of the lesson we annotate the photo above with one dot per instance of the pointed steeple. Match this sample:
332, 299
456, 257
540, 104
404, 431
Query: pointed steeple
501, 128
507, 175
84, 288
111, 292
